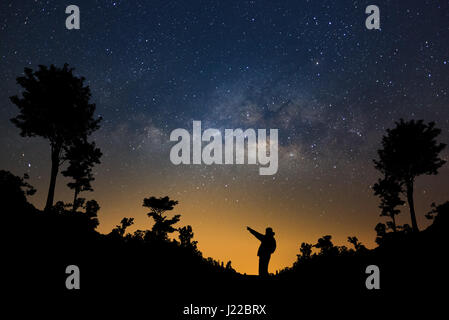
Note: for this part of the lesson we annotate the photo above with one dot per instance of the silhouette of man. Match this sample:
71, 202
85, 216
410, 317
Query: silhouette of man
267, 247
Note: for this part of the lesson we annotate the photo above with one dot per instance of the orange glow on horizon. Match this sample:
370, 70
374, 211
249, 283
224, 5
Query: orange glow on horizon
219, 225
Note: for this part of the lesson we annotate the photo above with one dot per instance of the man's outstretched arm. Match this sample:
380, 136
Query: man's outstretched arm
255, 233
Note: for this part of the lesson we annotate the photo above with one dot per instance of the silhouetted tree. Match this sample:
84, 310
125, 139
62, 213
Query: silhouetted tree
78, 221
381, 231
305, 253
82, 156
358, 246
186, 236
343, 250
54, 105
440, 216
91, 211
139, 235
162, 226
410, 150
229, 266
306, 250
389, 191
326, 246
121, 228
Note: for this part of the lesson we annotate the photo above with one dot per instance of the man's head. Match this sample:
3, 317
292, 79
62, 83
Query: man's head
269, 232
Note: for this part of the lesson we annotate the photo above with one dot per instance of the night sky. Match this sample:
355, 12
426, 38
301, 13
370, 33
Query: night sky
308, 68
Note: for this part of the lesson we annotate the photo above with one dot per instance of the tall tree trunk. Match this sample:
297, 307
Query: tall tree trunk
54, 173
411, 205
75, 198
394, 222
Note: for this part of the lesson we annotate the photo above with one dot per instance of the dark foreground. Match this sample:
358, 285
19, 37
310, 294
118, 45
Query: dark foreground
159, 280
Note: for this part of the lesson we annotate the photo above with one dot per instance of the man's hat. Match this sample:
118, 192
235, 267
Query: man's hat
269, 231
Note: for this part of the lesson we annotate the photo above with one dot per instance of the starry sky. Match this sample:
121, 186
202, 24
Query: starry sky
308, 68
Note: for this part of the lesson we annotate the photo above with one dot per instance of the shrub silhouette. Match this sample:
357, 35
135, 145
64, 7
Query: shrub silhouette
14, 189
77, 221
358, 246
306, 250
326, 246
121, 228
13, 192
305, 254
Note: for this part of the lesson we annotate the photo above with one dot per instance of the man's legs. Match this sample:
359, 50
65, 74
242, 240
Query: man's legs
263, 265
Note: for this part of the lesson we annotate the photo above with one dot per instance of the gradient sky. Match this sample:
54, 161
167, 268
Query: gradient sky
308, 68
